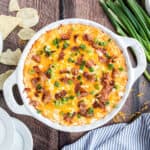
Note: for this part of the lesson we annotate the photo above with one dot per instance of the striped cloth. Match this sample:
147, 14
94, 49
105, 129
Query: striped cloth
123, 136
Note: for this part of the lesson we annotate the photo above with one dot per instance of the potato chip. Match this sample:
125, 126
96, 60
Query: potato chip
4, 76
10, 57
8, 24
26, 33
29, 17
13, 5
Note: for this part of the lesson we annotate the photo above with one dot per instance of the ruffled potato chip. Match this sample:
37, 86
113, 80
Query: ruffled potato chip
13, 5
26, 33
29, 17
8, 24
4, 76
10, 57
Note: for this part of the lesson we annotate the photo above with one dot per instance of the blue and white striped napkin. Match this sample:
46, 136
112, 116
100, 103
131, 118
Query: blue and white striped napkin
123, 136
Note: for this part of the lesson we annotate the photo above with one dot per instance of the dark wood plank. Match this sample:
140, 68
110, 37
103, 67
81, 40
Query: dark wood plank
44, 137
90, 9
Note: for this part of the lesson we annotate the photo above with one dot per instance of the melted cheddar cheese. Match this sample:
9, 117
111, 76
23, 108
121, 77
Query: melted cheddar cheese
75, 74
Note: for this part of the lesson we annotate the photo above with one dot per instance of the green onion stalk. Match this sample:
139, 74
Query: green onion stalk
130, 19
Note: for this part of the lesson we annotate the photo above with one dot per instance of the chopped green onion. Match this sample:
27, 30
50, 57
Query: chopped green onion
70, 114
89, 50
71, 97
82, 46
47, 50
64, 100
96, 86
101, 43
110, 66
91, 69
70, 81
79, 77
107, 103
38, 111
82, 65
120, 68
107, 55
70, 60
56, 42
31, 71
81, 82
92, 92
49, 71
57, 103
79, 116
38, 87
56, 84
65, 45
90, 110
116, 86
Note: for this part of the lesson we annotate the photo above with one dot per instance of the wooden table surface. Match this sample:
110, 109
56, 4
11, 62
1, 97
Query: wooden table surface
46, 138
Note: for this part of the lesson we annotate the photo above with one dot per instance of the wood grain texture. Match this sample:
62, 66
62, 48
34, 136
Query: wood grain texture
44, 137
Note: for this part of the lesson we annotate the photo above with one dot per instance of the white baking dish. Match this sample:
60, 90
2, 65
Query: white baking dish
17, 77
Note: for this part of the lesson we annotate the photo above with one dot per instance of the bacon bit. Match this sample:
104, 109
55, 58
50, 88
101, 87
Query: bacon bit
98, 104
75, 48
27, 89
83, 92
111, 60
106, 79
64, 71
44, 76
88, 76
102, 59
96, 46
75, 37
79, 89
79, 60
104, 93
34, 103
36, 58
114, 73
108, 85
69, 116
82, 108
64, 79
61, 94
48, 75
88, 38
102, 50
34, 81
140, 94
74, 71
36, 94
46, 96
61, 55
90, 63
36, 69
65, 36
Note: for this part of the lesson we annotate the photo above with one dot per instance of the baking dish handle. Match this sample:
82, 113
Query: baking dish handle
139, 54
9, 97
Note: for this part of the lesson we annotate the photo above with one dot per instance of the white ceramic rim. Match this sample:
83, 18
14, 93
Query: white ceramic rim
25, 133
9, 130
133, 74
